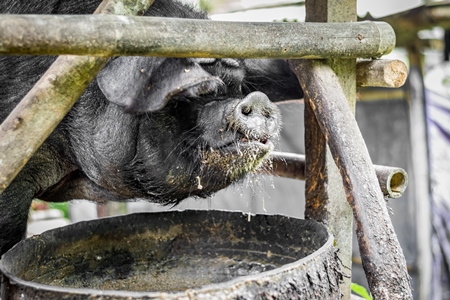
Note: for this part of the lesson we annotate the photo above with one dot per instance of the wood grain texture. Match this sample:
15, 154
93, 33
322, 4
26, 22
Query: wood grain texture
382, 256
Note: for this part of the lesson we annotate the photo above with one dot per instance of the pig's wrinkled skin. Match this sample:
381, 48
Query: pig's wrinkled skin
154, 128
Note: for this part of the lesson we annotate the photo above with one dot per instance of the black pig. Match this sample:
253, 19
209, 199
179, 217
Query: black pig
162, 129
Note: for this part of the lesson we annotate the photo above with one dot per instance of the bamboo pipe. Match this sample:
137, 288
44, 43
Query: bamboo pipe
392, 181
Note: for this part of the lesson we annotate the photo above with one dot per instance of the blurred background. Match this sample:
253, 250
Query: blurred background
407, 127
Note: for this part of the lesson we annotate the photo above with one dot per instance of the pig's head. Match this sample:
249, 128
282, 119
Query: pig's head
199, 124
156, 128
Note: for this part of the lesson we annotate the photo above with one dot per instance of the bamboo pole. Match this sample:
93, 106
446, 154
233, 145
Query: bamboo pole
46, 104
107, 35
392, 181
381, 254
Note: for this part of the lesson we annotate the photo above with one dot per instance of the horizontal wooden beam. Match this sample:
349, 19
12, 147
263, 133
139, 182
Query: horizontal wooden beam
108, 35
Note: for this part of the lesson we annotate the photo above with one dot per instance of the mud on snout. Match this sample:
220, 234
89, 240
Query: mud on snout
244, 143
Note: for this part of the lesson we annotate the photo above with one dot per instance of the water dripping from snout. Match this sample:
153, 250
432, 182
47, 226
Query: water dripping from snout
209, 199
254, 189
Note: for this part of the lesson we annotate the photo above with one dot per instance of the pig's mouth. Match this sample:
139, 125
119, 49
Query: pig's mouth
239, 144
237, 157
261, 142
244, 144
231, 162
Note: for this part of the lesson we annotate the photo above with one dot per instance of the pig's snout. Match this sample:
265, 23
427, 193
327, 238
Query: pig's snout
256, 117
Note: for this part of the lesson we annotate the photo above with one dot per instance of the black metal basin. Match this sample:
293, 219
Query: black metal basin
176, 255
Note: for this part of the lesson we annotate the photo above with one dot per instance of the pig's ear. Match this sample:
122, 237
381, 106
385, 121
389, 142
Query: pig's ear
144, 84
273, 77
123, 79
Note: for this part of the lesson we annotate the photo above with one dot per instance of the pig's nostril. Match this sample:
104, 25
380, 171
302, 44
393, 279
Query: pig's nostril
255, 117
256, 105
267, 113
246, 110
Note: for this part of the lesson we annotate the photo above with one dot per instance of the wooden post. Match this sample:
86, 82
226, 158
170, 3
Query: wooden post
381, 254
324, 193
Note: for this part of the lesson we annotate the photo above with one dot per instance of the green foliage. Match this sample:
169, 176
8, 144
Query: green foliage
360, 291
287, 20
205, 5
62, 206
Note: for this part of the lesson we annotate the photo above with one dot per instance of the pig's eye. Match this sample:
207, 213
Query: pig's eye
230, 62
200, 88
226, 62
208, 88
204, 61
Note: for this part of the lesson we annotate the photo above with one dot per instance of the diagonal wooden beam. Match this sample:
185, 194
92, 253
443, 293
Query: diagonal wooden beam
381, 254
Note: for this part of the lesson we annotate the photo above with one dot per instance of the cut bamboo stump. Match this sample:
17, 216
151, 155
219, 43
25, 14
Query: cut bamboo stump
381, 73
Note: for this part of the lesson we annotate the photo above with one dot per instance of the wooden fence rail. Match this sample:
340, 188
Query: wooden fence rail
109, 35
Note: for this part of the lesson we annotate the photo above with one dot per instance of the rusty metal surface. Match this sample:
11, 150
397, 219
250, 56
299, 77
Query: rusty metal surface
176, 255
